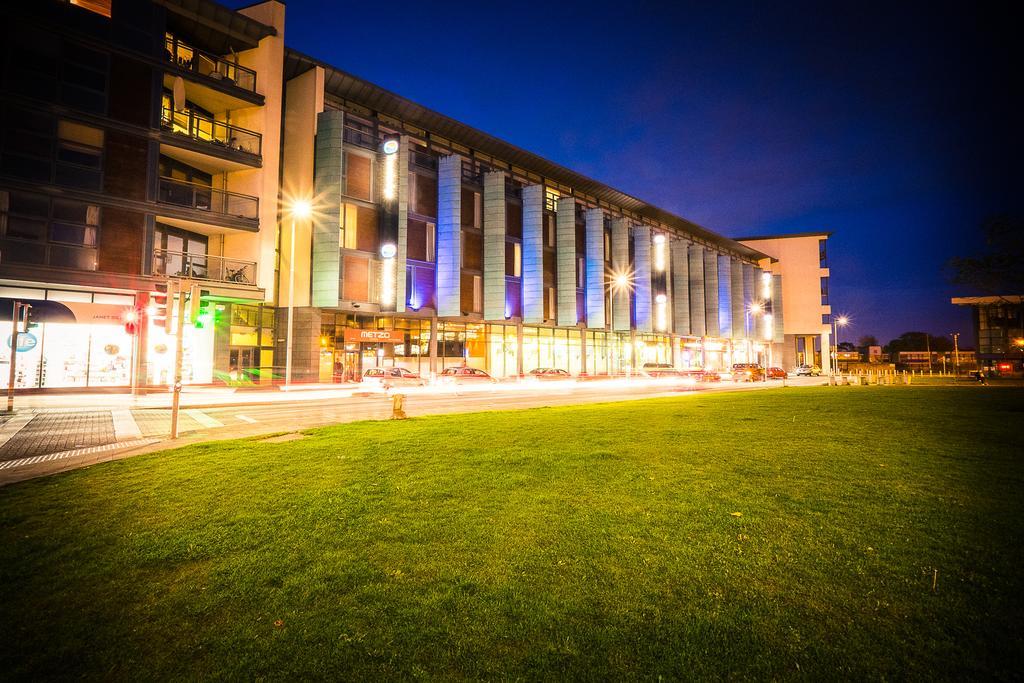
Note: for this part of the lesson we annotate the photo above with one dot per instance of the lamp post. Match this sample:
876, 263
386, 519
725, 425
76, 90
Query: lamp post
300, 209
837, 322
956, 355
618, 282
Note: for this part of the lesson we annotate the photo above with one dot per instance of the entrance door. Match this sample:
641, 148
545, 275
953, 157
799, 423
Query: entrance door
347, 367
243, 363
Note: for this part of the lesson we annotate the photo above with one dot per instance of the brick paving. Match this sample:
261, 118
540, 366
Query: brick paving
158, 422
52, 432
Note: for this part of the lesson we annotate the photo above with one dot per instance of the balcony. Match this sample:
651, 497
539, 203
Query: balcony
209, 66
198, 135
223, 207
169, 263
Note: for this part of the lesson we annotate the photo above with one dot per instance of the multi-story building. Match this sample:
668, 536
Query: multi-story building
801, 262
140, 143
999, 329
147, 141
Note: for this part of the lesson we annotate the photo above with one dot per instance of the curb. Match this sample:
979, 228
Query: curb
77, 452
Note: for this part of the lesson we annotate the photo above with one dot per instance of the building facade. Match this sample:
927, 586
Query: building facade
140, 144
999, 328
800, 261
176, 140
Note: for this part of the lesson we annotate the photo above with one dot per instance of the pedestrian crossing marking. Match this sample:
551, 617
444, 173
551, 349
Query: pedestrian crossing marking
202, 418
245, 418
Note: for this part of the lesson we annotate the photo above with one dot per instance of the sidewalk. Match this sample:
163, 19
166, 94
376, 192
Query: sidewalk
191, 397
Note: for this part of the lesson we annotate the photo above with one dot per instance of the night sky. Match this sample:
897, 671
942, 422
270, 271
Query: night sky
893, 130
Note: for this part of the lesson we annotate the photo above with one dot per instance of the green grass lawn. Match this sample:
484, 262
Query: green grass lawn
791, 533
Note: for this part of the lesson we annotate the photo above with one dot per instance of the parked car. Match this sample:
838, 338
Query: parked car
710, 376
464, 376
664, 373
547, 374
747, 372
387, 378
808, 371
777, 373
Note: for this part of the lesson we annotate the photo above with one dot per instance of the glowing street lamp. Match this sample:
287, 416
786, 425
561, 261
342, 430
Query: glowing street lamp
837, 322
300, 209
619, 281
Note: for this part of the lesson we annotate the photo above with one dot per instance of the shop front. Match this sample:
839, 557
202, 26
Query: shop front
78, 340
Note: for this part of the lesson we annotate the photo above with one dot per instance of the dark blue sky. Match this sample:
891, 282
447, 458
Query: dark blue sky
890, 127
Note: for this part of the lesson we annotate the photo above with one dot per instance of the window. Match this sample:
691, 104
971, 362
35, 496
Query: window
36, 229
551, 303
84, 78
478, 294
826, 318
581, 272
513, 259
357, 177
550, 231
100, 7
824, 291
822, 254
79, 155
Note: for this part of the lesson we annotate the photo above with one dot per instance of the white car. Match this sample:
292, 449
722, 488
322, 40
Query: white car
387, 378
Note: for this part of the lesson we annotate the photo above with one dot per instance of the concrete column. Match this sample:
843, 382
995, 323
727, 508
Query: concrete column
698, 315
680, 267
327, 175
432, 349
533, 254
494, 245
778, 328
402, 247
595, 268
565, 261
739, 310
642, 277
711, 295
519, 348
449, 236
621, 312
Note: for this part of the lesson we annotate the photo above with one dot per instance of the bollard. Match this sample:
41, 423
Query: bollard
398, 407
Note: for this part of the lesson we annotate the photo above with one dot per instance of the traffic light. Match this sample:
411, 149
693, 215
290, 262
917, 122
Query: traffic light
160, 301
132, 321
200, 311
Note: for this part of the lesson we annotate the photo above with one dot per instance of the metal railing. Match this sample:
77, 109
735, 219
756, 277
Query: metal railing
206, 64
206, 198
204, 129
170, 263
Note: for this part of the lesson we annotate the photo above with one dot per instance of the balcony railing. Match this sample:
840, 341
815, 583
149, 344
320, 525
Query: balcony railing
206, 198
209, 65
204, 129
203, 267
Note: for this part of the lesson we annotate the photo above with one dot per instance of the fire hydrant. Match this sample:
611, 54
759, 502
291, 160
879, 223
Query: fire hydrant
398, 407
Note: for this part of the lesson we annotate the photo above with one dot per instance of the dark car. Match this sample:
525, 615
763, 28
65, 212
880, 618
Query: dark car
777, 373
747, 372
464, 376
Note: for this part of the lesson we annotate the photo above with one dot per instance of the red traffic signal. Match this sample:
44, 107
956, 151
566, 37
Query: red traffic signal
132, 321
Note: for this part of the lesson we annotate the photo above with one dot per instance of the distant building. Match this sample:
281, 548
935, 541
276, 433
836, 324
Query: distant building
944, 361
999, 329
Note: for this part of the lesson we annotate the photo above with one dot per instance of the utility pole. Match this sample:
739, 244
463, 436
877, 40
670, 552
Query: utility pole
15, 318
956, 354
183, 287
928, 349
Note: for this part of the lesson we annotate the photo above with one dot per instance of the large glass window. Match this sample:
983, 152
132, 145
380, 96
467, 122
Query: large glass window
35, 229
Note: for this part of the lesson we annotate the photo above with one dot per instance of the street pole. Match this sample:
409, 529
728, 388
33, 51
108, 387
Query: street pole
928, 350
956, 355
291, 310
183, 286
15, 317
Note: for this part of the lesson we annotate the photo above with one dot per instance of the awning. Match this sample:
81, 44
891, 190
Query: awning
44, 311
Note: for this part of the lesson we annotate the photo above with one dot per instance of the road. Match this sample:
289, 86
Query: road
34, 443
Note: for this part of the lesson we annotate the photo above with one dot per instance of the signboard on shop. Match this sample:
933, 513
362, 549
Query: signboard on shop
374, 336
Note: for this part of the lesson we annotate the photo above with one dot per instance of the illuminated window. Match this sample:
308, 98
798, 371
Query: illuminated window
348, 225
100, 7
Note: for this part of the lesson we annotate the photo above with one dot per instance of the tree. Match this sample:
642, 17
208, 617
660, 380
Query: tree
1000, 269
918, 341
846, 346
867, 340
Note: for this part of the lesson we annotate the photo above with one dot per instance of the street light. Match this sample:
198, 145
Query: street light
300, 209
838, 321
619, 281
